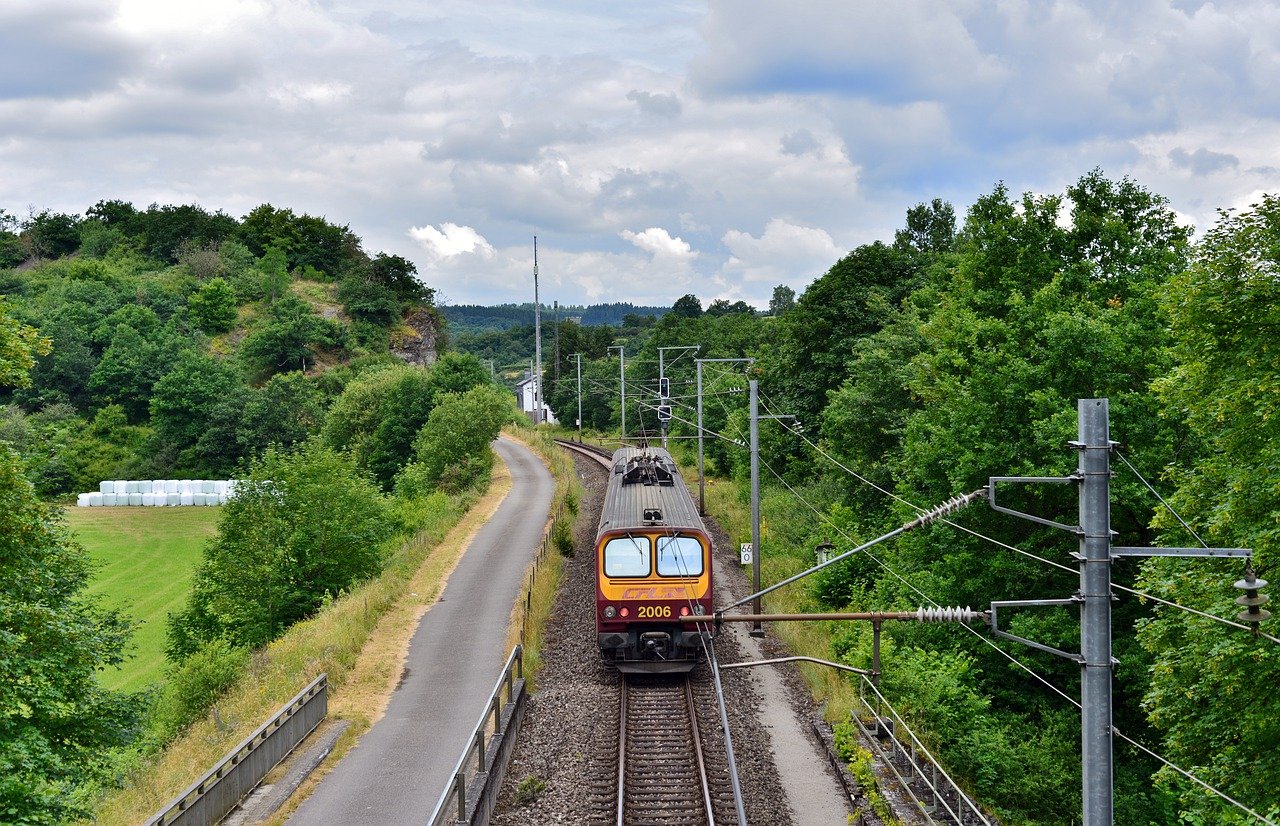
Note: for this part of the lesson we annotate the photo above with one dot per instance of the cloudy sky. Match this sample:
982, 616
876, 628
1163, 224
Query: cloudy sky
654, 148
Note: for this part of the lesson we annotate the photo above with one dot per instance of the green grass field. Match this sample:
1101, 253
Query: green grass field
144, 560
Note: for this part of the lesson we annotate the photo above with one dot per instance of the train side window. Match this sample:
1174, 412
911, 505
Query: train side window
679, 556
626, 556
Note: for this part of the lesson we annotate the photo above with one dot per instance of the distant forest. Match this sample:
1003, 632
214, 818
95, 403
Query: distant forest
470, 318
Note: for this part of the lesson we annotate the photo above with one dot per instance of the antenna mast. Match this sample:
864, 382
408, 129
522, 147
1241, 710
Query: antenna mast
537, 341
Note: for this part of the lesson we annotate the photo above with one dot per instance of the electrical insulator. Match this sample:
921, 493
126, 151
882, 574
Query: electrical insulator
965, 615
1252, 600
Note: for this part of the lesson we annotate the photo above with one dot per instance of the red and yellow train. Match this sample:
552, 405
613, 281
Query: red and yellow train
653, 566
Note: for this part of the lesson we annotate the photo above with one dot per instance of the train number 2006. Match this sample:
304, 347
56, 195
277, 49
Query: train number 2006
653, 611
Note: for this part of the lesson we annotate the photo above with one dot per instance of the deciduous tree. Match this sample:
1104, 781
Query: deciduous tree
304, 526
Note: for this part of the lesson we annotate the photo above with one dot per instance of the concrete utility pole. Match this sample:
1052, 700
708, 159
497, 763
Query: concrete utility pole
537, 340
757, 630
622, 388
1095, 555
702, 487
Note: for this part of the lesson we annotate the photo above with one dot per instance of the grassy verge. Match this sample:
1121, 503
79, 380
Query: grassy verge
145, 559
531, 613
812, 639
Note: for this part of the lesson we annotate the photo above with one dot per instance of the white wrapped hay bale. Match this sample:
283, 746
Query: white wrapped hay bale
106, 487
146, 486
134, 499
186, 498
172, 499
82, 500
95, 500
207, 486
108, 500
148, 499
170, 486
158, 499
118, 487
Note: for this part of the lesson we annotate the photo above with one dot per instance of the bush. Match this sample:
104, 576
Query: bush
453, 447
562, 537
194, 685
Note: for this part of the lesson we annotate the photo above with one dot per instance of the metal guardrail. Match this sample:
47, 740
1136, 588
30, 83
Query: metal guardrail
943, 801
475, 799
210, 798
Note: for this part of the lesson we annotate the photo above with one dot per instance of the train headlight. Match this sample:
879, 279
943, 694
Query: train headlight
610, 612
698, 609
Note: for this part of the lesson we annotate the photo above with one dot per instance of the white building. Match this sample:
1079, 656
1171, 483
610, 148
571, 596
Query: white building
524, 392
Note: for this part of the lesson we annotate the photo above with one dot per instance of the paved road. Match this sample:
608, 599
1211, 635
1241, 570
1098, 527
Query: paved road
396, 772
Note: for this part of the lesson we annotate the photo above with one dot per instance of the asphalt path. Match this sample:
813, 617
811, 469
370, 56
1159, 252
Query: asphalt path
397, 771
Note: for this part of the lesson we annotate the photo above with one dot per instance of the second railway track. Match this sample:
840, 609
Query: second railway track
662, 776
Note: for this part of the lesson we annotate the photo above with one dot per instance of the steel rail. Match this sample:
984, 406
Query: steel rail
600, 454
675, 783
697, 754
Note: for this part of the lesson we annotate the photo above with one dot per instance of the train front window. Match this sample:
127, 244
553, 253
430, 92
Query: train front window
626, 556
679, 556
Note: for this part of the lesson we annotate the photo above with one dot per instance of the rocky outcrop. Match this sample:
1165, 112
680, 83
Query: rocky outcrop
416, 339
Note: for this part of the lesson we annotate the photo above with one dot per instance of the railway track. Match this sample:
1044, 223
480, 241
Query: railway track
662, 776
603, 455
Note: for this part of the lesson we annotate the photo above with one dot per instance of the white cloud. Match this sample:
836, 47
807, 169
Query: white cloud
784, 254
451, 241
660, 244
656, 105
582, 123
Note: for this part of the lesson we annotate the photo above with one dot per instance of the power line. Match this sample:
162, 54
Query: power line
1028, 554
1030, 671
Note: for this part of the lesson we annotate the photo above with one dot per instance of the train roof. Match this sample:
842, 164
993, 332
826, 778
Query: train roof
646, 490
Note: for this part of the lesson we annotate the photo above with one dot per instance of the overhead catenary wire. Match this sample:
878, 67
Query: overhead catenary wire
1142, 594
1023, 666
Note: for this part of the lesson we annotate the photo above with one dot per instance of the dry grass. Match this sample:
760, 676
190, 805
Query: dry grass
530, 614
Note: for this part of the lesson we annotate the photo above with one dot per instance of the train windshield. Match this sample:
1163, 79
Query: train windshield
627, 556
679, 556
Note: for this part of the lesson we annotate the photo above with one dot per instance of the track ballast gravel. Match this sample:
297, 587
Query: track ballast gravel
564, 769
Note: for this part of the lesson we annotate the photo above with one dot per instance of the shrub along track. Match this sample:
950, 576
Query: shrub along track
565, 766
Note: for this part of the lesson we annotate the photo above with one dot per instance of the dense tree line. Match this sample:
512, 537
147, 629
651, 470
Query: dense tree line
473, 318
955, 352
173, 332
176, 342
